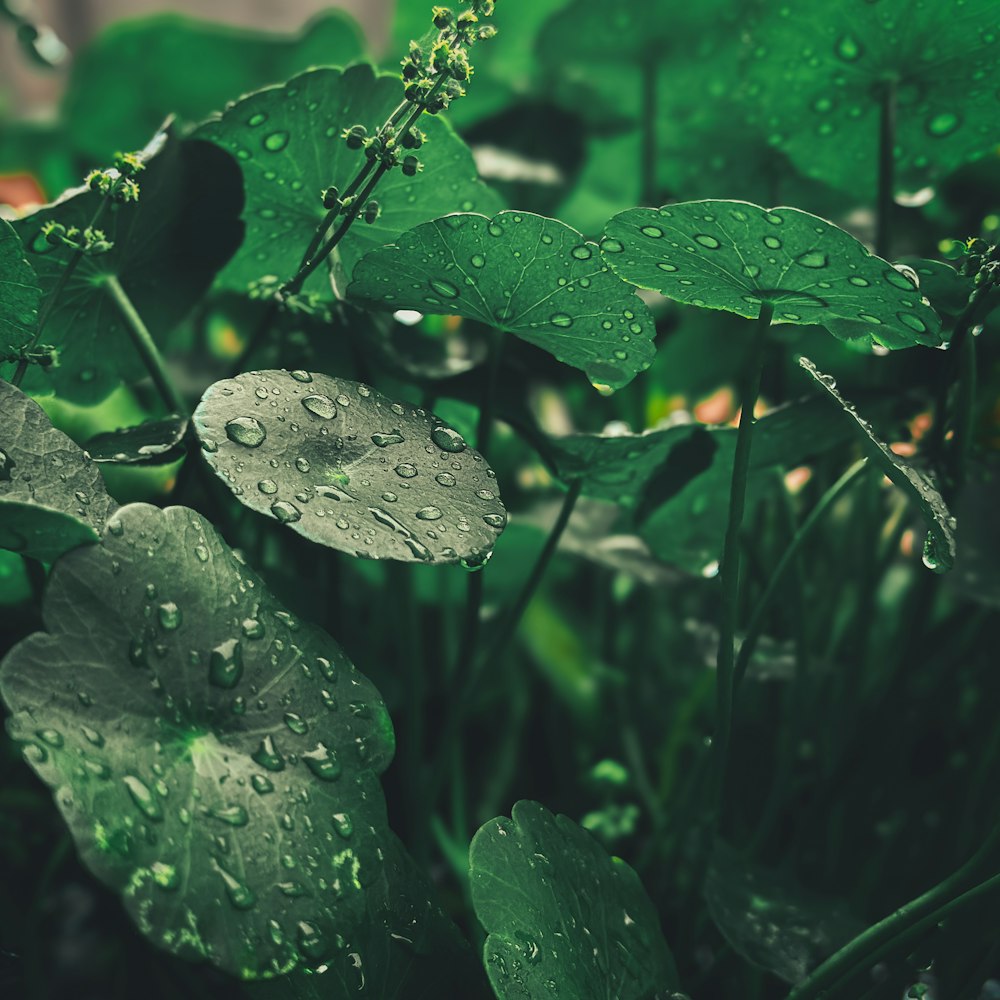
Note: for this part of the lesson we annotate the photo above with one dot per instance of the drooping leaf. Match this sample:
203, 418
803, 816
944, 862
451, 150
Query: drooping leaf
939, 549
769, 920
134, 74
216, 760
154, 442
947, 290
732, 255
52, 497
823, 110
523, 273
167, 248
19, 292
559, 910
288, 143
343, 466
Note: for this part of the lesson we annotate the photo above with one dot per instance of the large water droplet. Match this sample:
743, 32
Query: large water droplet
225, 665
143, 797
320, 406
323, 762
447, 439
813, 259
708, 242
848, 48
231, 815
276, 142
240, 895
285, 512
430, 513
384, 440
267, 755
247, 431
561, 320
443, 288
943, 124
170, 616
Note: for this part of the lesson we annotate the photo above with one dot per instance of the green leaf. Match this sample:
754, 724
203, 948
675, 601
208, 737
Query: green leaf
167, 248
947, 290
939, 549
523, 273
153, 442
215, 759
288, 142
769, 920
52, 497
343, 466
138, 71
560, 911
19, 292
734, 256
824, 110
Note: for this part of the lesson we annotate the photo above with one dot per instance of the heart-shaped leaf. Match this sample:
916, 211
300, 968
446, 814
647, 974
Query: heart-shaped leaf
167, 248
559, 910
522, 273
769, 920
343, 466
817, 72
154, 442
52, 496
734, 256
216, 759
19, 292
133, 75
939, 549
289, 145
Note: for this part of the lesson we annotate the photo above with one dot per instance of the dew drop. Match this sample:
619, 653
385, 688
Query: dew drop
247, 431
848, 48
446, 439
443, 288
709, 242
478, 260
813, 259
654, 232
320, 406
323, 762
144, 798
561, 320
943, 124
267, 756
286, 512
169, 615
611, 245
276, 142
225, 664
429, 513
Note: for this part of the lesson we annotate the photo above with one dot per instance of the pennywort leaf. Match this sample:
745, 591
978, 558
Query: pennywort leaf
19, 292
343, 466
216, 760
733, 255
939, 549
523, 273
52, 496
563, 918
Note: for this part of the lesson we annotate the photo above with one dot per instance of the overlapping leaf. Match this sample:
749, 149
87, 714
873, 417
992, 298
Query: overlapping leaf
52, 497
519, 272
343, 466
734, 256
288, 143
154, 442
563, 917
19, 292
216, 759
167, 248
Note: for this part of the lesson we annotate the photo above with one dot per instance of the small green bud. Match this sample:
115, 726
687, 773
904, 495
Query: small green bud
372, 211
331, 198
413, 138
355, 136
410, 71
467, 19
411, 165
53, 233
486, 31
443, 18
129, 164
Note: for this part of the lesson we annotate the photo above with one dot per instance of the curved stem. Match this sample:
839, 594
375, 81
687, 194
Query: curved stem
802, 535
144, 344
886, 170
730, 568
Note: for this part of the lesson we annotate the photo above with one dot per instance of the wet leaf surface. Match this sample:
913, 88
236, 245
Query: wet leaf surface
564, 918
52, 496
216, 760
532, 276
343, 466
19, 292
154, 442
733, 256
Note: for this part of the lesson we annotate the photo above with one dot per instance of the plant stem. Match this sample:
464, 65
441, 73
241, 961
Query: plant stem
649, 69
144, 344
802, 535
729, 570
965, 404
886, 170
896, 930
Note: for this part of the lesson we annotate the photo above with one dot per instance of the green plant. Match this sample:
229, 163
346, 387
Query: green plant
739, 624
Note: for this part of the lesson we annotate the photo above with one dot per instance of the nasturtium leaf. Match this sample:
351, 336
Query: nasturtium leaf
559, 910
343, 466
817, 72
19, 293
946, 289
215, 758
939, 548
154, 442
734, 256
523, 273
138, 71
769, 920
167, 248
289, 145
52, 497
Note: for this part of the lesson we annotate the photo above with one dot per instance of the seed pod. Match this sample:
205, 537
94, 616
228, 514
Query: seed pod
372, 211
411, 165
331, 198
355, 136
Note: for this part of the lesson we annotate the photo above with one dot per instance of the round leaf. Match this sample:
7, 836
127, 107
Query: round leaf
289, 145
562, 915
818, 71
216, 760
167, 248
734, 256
52, 496
153, 442
532, 276
19, 292
343, 466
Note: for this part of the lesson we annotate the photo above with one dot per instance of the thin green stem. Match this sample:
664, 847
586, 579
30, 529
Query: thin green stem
886, 170
965, 406
729, 571
802, 535
143, 342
